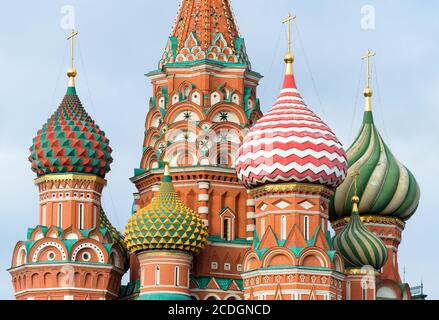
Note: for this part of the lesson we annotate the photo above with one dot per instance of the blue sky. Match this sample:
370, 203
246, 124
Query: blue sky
122, 40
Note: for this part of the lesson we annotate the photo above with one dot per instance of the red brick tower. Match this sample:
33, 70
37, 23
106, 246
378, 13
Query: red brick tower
74, 253
204, 97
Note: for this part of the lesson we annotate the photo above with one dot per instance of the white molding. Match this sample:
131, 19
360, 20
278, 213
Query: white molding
203, 185
251, 215
203, 197
65, 288
203, 210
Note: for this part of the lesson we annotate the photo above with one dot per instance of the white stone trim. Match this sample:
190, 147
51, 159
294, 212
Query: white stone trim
251, 228
251, 215
203, 210
251, 203
203, 185
203, 197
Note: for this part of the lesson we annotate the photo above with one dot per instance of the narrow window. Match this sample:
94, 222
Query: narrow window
365, 292
283, 228
157, 276
306, 227
95, 209
262, 227
323, 225
44, 217
177, 277
226, 229
81, 216
60, 215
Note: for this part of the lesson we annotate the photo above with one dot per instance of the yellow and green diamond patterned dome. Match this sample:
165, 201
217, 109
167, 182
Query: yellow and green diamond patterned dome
166, 224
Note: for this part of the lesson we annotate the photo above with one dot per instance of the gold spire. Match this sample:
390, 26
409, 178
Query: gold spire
289, 58
355, 198
71, 73
368, 93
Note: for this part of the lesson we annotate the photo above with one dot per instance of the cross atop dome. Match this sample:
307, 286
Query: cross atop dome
72, 72
368, 93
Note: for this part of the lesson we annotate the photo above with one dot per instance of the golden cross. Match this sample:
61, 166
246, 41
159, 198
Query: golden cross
72, 38
368, 56
288, 20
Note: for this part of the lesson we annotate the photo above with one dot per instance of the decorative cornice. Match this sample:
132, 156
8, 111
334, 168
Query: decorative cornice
288, 187
70, 177
363, 271
369, 219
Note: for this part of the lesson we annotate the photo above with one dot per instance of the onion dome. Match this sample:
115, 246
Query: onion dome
385, 186
166, 224
358, 246
291, 144
70, 141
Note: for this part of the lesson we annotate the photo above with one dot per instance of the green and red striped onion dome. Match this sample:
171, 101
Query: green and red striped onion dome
71, 142
358, 246
385, 186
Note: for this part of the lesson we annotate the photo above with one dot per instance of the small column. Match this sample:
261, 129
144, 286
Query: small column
203, 201
251, 220
136, 206
155, 188
361, 284
165, 274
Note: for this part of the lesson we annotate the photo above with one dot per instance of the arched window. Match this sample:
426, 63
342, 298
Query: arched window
60, 215
306, 227
157, 275
177, 277
262, 227
81, 216
323, 225
283, 228
185, 92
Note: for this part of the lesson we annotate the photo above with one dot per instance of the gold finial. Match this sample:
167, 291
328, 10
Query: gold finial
72, 73
368, 93
355, 198
289, 58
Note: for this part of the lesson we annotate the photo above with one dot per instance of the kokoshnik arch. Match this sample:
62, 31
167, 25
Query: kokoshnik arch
231, 204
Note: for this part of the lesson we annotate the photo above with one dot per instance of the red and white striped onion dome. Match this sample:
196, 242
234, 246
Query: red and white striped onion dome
291, 144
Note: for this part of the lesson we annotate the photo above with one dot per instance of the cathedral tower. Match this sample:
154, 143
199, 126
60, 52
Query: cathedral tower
388, 191
204, 97
165, 235
74, 252
291, 162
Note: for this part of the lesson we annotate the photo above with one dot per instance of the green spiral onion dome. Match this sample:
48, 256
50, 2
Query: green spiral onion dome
385, 186
358, 246
166, 224
70, 142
